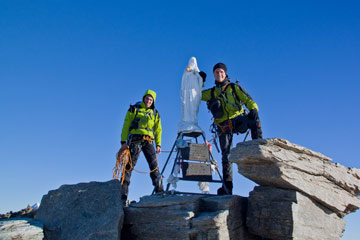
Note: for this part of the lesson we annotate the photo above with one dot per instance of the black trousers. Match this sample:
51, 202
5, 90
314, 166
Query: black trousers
225, 146
240, 124
137, 145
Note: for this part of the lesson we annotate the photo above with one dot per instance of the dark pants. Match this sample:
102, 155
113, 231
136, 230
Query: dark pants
136, 146
240, 125
225, 145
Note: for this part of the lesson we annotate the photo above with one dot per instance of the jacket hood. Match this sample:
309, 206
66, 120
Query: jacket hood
151, 93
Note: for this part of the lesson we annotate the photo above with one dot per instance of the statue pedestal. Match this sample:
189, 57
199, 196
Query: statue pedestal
194, 159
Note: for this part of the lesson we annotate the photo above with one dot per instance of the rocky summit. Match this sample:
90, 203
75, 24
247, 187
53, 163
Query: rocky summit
302, 194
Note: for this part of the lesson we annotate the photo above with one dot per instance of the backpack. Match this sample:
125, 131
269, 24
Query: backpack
214, 105
234, 94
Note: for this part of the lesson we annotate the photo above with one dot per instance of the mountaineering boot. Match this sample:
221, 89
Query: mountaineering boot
221, 191
229, 187
124, 192
123, 199
159, 184
256, 132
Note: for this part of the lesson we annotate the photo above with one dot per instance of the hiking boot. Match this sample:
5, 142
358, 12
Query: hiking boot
229, 187
123, 199
127, 203
159, 189
159, 185
221, 191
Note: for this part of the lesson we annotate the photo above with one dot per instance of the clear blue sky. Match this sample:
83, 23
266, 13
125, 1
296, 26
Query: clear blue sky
70, 69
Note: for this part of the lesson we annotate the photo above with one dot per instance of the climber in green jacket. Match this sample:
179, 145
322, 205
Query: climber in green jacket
141, 127
225, 101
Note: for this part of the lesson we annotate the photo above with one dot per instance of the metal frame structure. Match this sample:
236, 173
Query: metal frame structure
191, 135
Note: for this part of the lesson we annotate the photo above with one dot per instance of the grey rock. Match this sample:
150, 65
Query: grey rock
234, 208
27, 212
156, 217
83, 211
187, 217
21, 229
279, 163
276, 213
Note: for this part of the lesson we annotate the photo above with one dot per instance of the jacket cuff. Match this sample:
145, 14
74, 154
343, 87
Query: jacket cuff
122, 142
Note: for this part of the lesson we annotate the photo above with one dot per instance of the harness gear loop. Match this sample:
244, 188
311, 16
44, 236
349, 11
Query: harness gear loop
214, 138
148, 139
229, 126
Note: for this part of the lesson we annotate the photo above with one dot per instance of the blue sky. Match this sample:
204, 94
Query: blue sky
70, 69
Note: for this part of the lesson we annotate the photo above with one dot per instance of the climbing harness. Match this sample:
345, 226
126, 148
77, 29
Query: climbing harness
226, 127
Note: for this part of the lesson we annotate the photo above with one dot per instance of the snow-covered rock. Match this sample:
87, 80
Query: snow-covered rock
21, 229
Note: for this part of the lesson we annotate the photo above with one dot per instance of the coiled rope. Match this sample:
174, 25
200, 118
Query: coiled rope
123, 159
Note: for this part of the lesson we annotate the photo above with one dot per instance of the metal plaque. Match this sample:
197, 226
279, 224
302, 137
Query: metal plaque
196, 171
196, 152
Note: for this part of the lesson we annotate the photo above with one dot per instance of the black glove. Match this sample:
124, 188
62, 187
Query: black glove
203, 76
253, 114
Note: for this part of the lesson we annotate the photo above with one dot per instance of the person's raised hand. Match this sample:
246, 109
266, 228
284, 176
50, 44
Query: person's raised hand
202, 75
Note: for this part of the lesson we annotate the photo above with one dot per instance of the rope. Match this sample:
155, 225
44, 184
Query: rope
123, 159
157, 166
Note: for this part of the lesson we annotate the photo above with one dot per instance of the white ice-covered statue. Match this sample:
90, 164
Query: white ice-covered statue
190, 96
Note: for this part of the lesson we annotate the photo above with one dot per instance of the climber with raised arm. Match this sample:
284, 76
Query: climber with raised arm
225, 101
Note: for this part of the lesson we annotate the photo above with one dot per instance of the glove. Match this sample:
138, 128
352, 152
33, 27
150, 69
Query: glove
202, 75
124, 146
253, 114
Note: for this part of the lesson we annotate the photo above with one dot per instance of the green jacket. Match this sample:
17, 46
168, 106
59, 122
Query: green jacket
231, 107
149, 122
